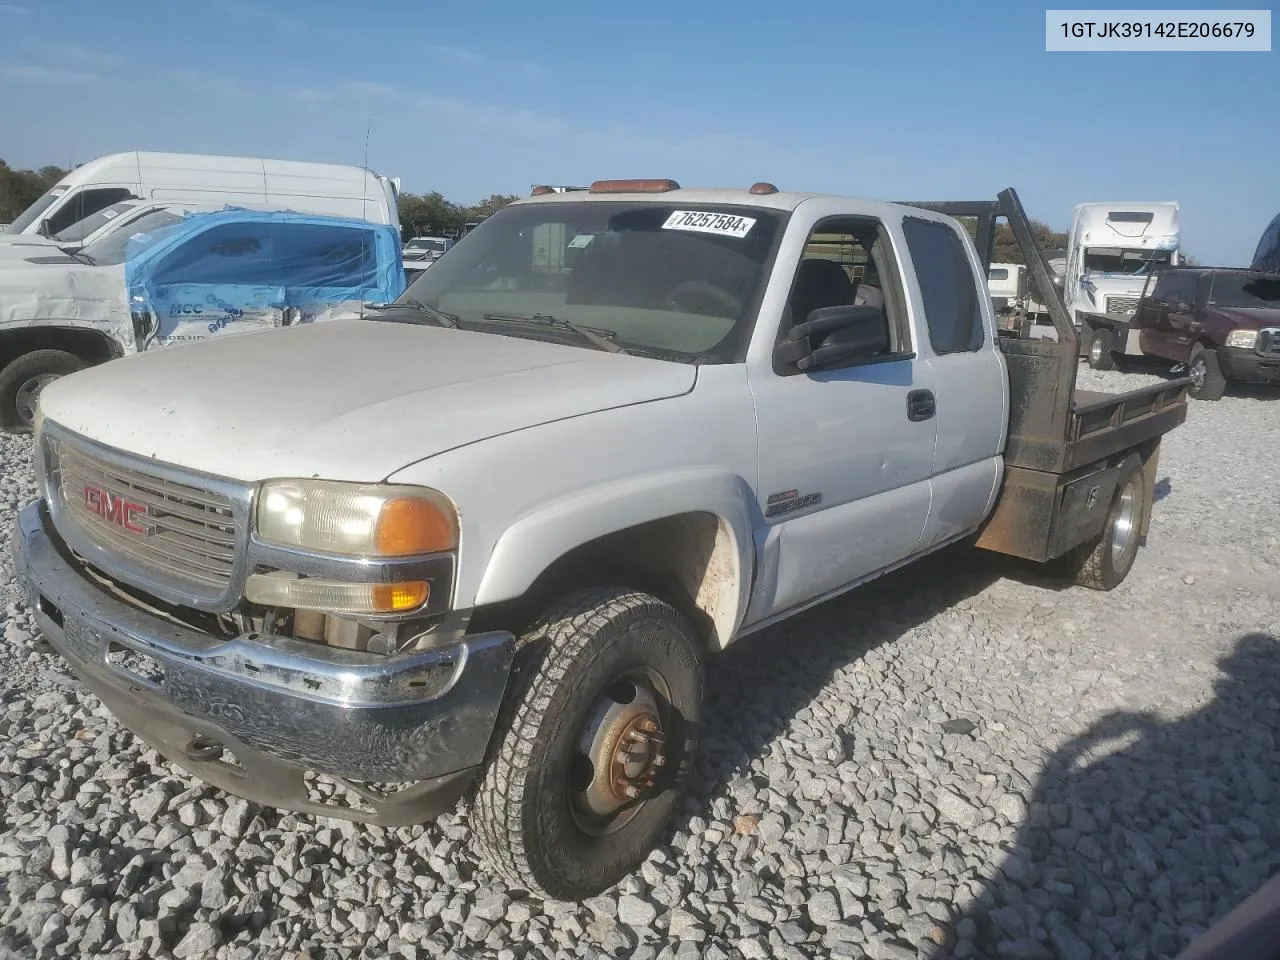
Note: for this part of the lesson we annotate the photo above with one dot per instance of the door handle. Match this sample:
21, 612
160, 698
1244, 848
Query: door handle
920, 405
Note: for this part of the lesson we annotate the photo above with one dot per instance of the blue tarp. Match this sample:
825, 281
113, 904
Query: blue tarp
245, 267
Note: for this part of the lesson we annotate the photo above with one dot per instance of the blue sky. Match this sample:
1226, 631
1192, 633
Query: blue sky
904, 100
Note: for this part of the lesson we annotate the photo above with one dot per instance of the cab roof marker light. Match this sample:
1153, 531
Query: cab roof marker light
634, 186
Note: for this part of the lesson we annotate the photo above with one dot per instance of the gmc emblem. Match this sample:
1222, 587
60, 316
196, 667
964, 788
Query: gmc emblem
116, 509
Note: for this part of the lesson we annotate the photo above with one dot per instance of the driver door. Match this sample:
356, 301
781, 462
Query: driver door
1156, 334
846, 454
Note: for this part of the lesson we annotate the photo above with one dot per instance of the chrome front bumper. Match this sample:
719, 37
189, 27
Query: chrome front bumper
256, 715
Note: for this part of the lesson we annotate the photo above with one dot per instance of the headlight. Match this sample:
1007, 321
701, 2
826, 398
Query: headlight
1244, 339
362, 520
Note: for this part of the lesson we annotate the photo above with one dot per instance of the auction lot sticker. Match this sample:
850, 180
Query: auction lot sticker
700, 221
1169, 31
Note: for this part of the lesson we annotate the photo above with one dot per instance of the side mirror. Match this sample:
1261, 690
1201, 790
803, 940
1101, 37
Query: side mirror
45, 229
145, 327
833, 335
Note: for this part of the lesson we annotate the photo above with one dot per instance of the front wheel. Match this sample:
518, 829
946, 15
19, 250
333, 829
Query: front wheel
23, 379
1103, 562
1207, 379
594, 744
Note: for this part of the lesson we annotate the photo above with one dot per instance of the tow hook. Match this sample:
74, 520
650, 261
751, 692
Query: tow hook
202, 748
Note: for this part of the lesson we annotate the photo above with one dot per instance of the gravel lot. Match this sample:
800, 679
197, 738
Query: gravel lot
963, 760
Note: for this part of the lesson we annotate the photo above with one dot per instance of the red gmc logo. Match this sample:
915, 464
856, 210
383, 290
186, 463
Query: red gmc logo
115, 509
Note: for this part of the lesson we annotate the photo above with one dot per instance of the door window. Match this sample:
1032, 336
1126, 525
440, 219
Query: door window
1174, 286
847, 261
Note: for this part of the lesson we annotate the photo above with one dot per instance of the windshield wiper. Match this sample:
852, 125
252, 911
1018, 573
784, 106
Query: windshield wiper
597, 338
440, 318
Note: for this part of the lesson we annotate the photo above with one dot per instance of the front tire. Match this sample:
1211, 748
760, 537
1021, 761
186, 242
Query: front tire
594, 744
1103, 562
23, 379
1207, 379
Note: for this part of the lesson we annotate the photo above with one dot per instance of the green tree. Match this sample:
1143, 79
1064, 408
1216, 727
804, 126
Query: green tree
493, 203
429, 215
20, 188
1006, 245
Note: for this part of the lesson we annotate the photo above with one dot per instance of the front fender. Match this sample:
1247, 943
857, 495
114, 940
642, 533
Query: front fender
530, 545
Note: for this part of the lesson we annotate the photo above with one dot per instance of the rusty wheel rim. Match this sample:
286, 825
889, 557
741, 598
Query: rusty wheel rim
620, 753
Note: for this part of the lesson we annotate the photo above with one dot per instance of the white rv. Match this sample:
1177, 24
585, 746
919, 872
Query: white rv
326, 188
1111, 249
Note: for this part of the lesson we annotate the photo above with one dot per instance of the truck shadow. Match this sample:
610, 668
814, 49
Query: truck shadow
754, 694
1141, 833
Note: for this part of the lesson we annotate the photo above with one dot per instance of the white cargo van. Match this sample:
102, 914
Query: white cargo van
1111, 250
327, 188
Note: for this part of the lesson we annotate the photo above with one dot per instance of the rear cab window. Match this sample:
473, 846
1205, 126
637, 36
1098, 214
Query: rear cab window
948, 287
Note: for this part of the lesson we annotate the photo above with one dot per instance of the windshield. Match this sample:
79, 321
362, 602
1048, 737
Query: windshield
1243, 290
678, 282
111, 249
82, 228
1135, 261
30, 215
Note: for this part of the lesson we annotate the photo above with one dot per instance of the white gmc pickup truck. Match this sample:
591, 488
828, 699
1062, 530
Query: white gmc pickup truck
484, 544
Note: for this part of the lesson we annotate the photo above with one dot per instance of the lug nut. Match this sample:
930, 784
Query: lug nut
638, 737
659, 761
631, 791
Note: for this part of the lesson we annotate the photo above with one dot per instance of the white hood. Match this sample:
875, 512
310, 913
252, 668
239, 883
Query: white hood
16, 246
36, 292
348, 400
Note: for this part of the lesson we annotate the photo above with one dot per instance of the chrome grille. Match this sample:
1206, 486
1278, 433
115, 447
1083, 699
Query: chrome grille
1122, 305
162, 533
1269, 341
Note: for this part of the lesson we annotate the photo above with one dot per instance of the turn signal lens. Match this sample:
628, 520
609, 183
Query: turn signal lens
398, 597
409, 526
335, 596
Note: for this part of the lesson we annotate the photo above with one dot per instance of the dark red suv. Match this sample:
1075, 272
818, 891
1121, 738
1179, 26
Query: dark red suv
1223, 323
